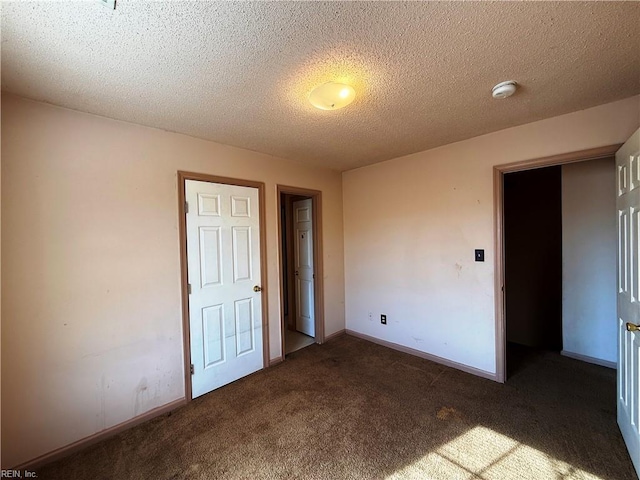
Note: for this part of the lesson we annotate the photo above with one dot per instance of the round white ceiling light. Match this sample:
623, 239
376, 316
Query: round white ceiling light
332, 96
504, 89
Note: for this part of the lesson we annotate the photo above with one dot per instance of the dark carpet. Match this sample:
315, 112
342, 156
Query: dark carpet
351, 409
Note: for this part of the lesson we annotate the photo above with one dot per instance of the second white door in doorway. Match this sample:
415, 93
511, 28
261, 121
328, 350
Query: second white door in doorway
304, 272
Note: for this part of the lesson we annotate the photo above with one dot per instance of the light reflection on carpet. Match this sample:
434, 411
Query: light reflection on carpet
481, 453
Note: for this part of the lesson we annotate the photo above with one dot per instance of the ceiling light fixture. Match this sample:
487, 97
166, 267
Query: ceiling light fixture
504, 89
332, 96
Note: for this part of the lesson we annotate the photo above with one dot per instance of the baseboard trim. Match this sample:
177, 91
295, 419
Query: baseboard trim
275, 361
335, 335
99, 436
588, 359
427, 356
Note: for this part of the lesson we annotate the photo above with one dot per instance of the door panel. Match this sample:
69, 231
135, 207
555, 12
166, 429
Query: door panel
635, 253
628, 207
633, 383
303, 263
245, 325
223, 264
210, 256
208, 204
213, 333
241, 253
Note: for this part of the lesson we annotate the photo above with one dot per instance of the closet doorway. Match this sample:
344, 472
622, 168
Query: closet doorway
300, 267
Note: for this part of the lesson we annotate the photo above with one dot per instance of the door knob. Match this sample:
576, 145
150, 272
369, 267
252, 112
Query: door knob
632, 327
257, 289
296, 272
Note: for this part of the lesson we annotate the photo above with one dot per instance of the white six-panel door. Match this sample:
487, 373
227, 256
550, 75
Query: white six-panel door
628, 213
223, 263
303, 244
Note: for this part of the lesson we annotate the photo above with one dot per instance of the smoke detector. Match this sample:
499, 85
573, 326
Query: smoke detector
504, 89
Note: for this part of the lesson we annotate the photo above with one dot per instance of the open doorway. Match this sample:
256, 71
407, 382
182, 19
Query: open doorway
558, 292
300, 267
533, 265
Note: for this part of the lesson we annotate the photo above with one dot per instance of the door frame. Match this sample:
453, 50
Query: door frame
318, 284
498, 223
184, 279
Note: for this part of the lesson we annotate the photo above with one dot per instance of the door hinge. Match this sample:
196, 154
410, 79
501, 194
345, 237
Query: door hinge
186, 207
192, 369
189, 288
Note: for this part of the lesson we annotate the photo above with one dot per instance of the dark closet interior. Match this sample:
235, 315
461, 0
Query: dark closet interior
533, 260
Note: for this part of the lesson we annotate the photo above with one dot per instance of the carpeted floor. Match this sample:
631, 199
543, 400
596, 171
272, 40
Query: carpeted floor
351, 409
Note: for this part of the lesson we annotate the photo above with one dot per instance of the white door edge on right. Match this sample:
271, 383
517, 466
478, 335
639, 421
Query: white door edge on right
628, 293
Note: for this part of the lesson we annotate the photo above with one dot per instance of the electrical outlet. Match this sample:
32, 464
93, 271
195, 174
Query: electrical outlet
108, 3
383, 319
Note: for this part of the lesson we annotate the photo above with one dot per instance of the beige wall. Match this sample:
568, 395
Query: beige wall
589, 238
411, 226
92, 332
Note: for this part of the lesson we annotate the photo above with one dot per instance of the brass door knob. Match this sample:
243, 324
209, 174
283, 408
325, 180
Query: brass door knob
632, 327
257, 289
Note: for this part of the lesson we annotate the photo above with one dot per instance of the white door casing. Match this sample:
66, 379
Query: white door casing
628, 288
304, 269
223, 265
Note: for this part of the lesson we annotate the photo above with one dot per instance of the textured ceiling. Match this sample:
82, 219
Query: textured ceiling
240, 73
